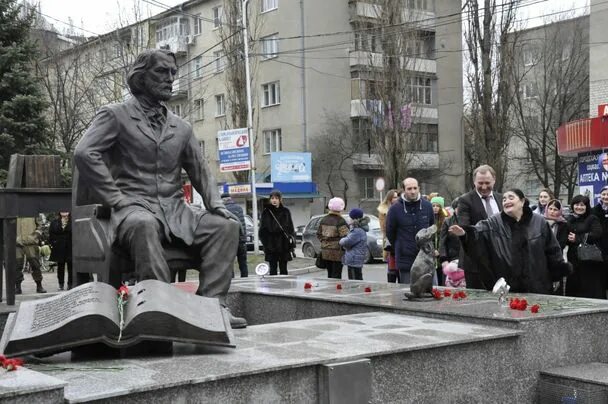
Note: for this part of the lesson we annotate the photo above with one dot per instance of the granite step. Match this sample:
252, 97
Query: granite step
582, 383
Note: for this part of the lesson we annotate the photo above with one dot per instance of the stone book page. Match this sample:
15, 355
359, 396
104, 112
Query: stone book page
85, 313
160, 311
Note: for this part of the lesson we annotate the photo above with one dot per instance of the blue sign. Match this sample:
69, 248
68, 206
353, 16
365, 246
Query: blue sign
291, 167
592, 174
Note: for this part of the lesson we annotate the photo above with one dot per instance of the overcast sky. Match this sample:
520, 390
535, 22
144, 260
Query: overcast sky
100, 16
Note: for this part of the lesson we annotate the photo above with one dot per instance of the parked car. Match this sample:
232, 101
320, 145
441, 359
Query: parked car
299, 232
249, 233
311, 246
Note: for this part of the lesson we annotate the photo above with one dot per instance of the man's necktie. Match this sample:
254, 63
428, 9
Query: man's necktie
486, 204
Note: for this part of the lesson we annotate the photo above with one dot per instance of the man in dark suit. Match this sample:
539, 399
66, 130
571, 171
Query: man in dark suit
478, 204
132, 156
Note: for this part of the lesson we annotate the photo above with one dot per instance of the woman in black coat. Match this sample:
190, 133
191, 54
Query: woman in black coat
589, 277
60, 239
276, 228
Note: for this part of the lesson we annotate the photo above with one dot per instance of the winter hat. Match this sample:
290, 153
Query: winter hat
439, 201
356, 213
336, 204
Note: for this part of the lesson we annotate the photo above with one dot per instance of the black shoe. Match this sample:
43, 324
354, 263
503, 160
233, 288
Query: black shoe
40, 289
18, 290
60, 287
235, 322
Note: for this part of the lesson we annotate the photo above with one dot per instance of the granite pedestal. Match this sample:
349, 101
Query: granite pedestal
457, 351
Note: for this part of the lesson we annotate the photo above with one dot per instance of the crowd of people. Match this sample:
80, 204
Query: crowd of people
481, 236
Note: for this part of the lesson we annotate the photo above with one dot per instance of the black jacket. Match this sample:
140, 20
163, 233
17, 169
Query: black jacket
602, 215
237, 211
61, 241
275, 240
449, 245
525, 253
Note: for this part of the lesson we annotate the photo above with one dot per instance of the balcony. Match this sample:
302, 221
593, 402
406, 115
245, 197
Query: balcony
417, 161
421, 19
180, 88
176, 44
375, 59
365, 108
362, 10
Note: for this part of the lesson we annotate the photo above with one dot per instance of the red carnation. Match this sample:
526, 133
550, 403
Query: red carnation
123, 291
514, 303
523, 304
339, 286
367, 289
437, 294
308, 285
447, 293
535, 308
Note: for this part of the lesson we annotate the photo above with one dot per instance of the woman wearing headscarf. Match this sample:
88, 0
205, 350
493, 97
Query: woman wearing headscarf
516, 245
544, 196
559, 227
331, 229
589, 277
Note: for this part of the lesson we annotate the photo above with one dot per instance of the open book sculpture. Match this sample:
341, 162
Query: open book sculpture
89, 313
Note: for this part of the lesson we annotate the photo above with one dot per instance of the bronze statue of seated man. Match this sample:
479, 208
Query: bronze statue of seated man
132, 158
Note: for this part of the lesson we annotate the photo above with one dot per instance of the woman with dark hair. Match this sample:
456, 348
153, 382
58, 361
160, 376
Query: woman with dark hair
516, 245
60, 239
589, 277
544, 196
276, 229
559, 227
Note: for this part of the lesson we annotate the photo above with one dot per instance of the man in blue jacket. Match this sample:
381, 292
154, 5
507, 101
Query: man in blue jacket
410, 214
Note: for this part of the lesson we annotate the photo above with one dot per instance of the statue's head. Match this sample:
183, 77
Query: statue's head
425, 237
152, 74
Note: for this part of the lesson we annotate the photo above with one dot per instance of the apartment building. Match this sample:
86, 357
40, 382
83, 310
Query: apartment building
309, 61
551, 69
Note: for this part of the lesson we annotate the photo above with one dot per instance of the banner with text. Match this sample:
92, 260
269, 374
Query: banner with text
290, 167
592, 174
234, 150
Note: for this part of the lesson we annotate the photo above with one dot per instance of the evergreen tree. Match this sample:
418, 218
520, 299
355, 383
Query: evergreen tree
22, 124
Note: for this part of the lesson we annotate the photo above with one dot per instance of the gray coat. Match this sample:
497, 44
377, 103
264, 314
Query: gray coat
142, 165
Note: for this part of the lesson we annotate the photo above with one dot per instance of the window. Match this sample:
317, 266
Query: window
271, 94
268, 5
424, 138
368, 188
199, 109
178, 110
362, 135
528, 56
197, 67
366, 38
420, 90
219, 60
270, 46
202, 148
417, 4
530, 90
172, 27
198, 25
272, 141
220, 105
217, 16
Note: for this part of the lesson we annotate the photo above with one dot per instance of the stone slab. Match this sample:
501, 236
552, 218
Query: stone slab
287, 349
27, 386
478, 304
594, 372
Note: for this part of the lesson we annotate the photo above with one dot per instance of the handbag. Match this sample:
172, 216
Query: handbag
589, 252
320, 262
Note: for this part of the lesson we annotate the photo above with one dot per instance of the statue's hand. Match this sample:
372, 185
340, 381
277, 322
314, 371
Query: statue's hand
124, 202
222, 211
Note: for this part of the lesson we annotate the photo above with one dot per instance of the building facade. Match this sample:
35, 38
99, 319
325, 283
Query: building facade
312, 64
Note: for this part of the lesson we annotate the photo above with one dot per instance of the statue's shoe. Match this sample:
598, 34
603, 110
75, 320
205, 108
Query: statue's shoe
235, 322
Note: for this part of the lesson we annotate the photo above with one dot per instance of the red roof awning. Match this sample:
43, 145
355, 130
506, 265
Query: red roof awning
582, 135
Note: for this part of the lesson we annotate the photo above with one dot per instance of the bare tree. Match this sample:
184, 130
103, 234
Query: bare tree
334, 151
490, 60
554, 64
231, 56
